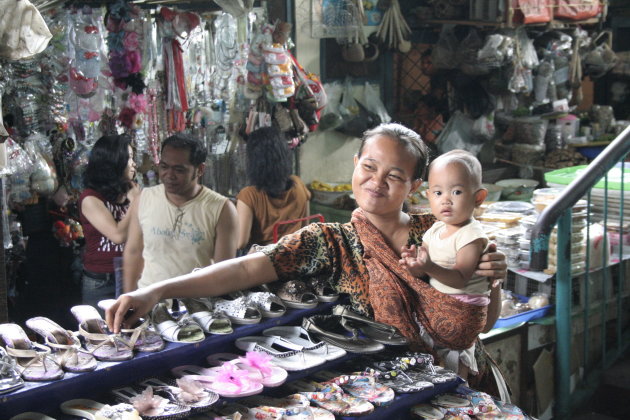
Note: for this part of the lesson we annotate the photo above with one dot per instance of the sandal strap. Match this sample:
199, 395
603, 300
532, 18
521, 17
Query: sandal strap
136, 333
102, 339
35, 356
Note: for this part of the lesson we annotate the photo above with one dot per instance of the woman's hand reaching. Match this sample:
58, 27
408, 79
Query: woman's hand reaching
492, 265
128, 308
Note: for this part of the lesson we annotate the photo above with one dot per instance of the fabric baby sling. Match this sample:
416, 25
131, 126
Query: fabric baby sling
398, 298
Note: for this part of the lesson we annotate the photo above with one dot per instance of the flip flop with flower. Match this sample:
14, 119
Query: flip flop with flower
187, 392
226, 380
259, 365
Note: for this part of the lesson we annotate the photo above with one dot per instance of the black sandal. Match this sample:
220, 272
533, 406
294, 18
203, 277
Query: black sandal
377, 331
329, 329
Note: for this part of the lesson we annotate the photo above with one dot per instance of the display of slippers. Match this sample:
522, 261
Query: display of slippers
295, 406
10, 379
396, 376
182, 330
257, 363
212, 321
33, 361
187, 392
365, 387
377, 331
285, 354
141, 337
329, 329
331, 397
149, 405
296, 294
65, 345
226, 380
92, 410
99, 340
301, 337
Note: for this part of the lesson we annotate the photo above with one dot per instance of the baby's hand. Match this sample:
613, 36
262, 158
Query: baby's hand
415, 260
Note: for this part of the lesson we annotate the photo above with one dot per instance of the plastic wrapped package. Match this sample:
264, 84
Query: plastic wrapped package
20, 167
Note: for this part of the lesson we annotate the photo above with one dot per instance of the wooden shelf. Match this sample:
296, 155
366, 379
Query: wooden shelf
554, 23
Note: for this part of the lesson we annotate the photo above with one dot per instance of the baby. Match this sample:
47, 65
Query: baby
451, 248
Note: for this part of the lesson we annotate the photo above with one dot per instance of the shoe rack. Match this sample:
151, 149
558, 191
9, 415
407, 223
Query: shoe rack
47, 396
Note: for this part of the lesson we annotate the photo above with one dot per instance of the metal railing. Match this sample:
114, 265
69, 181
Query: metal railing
614, 341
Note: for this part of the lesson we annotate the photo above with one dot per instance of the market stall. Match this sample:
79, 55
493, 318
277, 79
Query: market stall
495, 82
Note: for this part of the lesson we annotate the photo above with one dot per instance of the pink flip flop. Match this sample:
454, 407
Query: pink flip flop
226, 380
257, 363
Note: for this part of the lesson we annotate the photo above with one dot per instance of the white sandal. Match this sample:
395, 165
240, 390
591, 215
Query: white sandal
285, 354
212, 321
270, 305
182, 330
240, 310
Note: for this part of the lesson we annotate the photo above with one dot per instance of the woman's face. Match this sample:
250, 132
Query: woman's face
383, 176
130, 170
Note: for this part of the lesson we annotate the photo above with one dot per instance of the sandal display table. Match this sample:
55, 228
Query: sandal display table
47, 396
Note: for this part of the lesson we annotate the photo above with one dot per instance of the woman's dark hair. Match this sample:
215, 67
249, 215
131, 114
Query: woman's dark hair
269, 161
105, 171
197, 149
407, 138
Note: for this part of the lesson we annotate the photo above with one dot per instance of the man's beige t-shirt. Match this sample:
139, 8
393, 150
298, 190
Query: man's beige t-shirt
177, 239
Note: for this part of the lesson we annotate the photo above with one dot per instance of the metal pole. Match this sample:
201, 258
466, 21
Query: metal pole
563, 315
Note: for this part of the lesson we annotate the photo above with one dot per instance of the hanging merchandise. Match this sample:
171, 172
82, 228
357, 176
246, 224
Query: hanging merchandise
356, 117
600, 59
577, 9
278, 79
126, 29
310, 96
44, 176
23, 32
331, 117
373, 103
393, 30
174, 26
444, 54
525, 60
532, 11
20, 167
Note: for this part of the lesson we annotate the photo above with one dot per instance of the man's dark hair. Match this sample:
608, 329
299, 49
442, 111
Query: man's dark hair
197, 149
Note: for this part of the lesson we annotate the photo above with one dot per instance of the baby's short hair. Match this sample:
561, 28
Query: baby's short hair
467, 159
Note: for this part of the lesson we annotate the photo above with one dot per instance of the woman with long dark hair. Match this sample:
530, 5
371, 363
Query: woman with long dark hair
109, 190
274, 194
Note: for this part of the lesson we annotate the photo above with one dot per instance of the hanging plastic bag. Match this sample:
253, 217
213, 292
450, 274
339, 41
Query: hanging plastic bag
458, 134
444, 55
373, 103
356, 117
467, 53
348, 107
331, 117
483, 127
20, 167
601, 58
